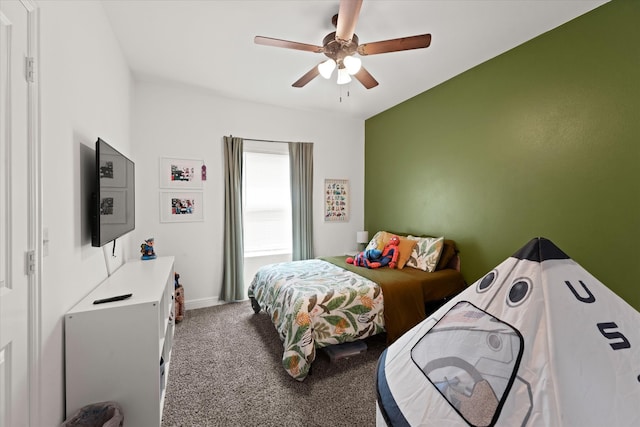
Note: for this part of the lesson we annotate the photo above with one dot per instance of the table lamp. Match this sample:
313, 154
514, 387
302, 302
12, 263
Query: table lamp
362, 238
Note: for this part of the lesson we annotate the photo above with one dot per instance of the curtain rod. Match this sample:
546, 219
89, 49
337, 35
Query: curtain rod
270, 140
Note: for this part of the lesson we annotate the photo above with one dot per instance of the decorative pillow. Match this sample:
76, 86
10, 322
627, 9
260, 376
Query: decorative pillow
448, 252
379, 240
406, 249
426, 253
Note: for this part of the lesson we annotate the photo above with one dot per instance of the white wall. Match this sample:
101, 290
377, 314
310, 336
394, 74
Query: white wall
86, 91
187, 123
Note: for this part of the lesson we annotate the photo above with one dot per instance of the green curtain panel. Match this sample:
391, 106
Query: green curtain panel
233, 276
301, 165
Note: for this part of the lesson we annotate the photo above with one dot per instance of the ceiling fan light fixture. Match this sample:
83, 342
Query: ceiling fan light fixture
352, 64
343, 76
326, 68
341, 46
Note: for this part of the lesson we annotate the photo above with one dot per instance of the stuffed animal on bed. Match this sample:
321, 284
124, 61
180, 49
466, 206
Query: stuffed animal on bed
375, 258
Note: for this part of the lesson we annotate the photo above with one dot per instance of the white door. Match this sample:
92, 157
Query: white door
17, 232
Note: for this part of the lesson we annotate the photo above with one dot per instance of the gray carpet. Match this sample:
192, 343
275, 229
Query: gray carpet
226, 371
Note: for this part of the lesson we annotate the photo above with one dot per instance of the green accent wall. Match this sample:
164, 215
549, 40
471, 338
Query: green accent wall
543, 140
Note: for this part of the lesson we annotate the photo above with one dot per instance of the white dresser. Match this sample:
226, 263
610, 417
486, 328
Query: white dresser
121, 351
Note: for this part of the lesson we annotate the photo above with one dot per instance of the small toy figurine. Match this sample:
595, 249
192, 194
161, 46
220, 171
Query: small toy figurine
374, 258
146, 249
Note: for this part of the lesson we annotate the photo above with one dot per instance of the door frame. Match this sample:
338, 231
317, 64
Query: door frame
33, 189
35, 241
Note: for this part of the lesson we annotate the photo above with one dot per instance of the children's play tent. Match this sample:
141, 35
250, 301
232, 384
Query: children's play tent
538, 341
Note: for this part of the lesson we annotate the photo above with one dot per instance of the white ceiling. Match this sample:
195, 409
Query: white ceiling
209, 44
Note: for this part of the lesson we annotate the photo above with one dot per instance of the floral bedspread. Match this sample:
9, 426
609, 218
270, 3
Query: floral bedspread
314, 304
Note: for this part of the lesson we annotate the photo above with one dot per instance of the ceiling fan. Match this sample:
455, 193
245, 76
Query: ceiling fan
341, 45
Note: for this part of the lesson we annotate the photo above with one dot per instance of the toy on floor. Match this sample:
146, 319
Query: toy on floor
146, 249
179, 297
375, 258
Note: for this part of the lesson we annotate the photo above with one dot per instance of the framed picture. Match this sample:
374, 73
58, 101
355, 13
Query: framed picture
336, 200
180, 173
183, 206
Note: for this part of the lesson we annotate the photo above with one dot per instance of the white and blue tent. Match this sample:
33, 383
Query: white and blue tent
538, 341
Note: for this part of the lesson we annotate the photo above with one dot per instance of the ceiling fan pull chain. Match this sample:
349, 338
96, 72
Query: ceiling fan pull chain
348, 86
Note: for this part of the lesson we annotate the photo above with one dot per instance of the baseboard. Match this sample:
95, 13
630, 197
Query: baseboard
202, 303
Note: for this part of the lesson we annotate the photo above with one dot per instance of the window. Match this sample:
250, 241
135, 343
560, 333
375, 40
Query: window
266, 199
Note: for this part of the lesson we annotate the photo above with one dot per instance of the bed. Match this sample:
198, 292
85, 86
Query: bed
321, 302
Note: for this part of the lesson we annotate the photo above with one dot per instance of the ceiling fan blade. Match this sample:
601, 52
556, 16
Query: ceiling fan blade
268, 41
310, 75
347, 19
364, 77
395, 45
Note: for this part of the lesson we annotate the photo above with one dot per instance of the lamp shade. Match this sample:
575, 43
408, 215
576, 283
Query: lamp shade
343, 76
352, 64
326, 68
362, 237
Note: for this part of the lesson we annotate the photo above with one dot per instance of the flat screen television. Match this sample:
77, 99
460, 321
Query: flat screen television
113, 202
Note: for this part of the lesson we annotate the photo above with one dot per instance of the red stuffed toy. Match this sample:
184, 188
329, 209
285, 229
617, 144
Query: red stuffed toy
374, 258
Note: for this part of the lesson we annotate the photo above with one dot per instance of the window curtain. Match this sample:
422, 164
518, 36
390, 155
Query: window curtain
301, 165
233, 266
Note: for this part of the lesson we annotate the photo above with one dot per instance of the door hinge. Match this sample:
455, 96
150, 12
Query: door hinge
29, 69
31, 262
